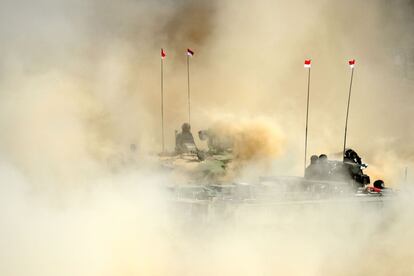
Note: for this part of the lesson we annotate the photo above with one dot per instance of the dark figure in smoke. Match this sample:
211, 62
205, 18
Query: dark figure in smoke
313, 171
319, 168
217, 144
351, 156
354, 166
324, 167
184, 141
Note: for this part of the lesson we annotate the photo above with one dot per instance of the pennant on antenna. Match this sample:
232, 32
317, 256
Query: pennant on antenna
163, 53
190, 52
351, 63
307, 63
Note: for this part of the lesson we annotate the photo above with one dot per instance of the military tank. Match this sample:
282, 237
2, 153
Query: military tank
202, 187
325, 182
328, 179
323, 179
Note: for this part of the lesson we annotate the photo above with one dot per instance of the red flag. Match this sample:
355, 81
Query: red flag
190, 52
307, 63
163, 53
351, 63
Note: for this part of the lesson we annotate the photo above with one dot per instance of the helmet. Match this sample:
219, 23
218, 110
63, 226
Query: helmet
379, 184
323, 157
202, 134
351, 154
186, 127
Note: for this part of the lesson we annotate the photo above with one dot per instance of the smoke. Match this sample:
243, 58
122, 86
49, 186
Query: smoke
125, 224
250, 139
105, 55
79, 84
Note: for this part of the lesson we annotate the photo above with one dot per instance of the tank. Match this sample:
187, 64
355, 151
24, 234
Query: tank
336, 182
203, 186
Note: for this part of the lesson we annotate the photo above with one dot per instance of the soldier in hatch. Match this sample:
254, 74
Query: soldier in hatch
354, 165
324, 167
217, 144
312, 171
184, 141
351, 156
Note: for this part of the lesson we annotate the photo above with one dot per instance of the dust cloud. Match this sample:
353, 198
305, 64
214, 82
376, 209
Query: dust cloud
125, 225
250, 139
80, 88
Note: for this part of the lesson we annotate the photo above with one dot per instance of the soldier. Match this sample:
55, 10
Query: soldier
217, 144
354, 164
324, 167
184, 141
351, 156
312, 171
204, 135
